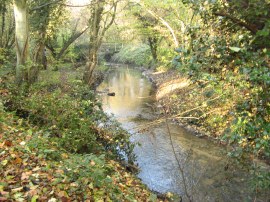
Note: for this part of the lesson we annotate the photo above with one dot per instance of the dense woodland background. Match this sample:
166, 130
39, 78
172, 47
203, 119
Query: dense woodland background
51, 49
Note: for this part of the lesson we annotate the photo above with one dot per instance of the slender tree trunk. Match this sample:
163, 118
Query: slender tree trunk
3, 23
88, 74
40, 55
95, 40
153, 43
10, 35
22, 39
99, 23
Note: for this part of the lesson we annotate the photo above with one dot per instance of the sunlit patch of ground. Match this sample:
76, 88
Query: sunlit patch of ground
170, 86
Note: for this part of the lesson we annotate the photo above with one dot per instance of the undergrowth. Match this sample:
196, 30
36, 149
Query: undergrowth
57, 145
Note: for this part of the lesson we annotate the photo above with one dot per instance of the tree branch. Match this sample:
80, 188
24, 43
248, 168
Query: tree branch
56, 2
164, 22
73, 38
252, 28
44, 5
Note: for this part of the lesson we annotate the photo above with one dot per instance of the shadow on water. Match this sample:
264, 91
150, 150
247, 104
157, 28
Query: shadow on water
208, 175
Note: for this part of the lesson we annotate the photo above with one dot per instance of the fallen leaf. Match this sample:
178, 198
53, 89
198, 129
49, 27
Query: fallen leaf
62, 194
74, 184
92, 163
65, 199
3, 199
17, 161
36, 169
3, 193
4, 162
26, 175
53, 200
7, 143
23, 143
32, 193
64, 155
17, 189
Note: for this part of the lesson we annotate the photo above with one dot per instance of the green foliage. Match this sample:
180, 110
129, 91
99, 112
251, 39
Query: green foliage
6, 58
231, 62
252, 16
7, 33
216, 62
165, 56
75, 129
262, 179
134, 54
47, 20
3, 56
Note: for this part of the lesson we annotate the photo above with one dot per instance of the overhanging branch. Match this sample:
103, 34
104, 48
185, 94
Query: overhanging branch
252, 28
58, 2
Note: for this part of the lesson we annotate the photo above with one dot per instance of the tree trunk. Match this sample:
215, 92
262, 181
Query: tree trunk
95, 40
40, 54
23, 72
89, 69
99, 23
153, 43
3, 23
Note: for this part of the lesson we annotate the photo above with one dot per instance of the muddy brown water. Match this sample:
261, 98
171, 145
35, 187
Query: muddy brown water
208, 175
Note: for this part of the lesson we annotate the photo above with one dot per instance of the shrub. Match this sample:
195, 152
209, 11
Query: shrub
71, 119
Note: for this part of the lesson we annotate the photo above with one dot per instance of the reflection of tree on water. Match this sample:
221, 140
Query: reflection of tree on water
130, 87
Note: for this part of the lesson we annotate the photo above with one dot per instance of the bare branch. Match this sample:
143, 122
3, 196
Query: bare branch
46, 4
164, 22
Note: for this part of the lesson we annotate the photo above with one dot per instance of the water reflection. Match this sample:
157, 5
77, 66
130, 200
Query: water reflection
205, 172
131, 89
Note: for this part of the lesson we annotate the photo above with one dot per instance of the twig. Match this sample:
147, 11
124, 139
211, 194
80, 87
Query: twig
178, 162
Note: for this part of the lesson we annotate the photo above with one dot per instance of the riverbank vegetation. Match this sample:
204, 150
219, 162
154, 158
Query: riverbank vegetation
51, 153
49, 51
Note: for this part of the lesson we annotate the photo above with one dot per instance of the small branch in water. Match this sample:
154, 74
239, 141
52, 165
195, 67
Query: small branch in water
177, 116
178, 162
111, 94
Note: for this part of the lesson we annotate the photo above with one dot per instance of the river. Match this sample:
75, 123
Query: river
208, 174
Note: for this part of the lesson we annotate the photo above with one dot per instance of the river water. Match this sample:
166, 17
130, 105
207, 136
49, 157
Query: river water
205, 172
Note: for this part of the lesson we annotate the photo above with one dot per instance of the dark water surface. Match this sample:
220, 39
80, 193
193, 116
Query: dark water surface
208, 175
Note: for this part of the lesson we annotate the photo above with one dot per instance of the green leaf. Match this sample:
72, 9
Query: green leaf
34, 198
4, 162
234, 49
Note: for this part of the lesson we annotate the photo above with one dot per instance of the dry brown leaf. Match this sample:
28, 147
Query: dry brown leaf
3, 199
26, 175
17, 161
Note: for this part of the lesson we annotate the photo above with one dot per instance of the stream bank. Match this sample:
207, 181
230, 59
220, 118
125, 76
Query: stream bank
167, 85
